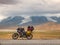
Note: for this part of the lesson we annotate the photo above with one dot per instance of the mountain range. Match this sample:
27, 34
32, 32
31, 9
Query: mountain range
32, 20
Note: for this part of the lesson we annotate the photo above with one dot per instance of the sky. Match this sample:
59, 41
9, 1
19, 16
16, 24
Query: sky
29, 8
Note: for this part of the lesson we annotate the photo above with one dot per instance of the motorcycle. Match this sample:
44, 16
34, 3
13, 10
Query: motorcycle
27, 35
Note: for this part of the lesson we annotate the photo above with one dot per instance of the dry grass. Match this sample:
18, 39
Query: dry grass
36, 35
5, 35
47, 35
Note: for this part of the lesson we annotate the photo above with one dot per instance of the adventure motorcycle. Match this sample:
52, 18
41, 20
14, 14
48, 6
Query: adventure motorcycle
27, 35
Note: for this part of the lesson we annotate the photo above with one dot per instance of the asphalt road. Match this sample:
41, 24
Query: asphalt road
29, 42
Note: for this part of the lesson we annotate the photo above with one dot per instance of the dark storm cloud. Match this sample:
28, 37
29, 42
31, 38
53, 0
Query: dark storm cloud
8, 1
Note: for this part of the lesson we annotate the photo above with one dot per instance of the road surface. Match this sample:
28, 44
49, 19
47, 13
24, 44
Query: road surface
29, 42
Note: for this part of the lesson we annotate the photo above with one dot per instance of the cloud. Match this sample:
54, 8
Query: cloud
8, 1
30, 7
36, 7
2, 17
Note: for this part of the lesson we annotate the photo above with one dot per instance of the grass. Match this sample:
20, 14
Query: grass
4, 33
36, 35
48, 33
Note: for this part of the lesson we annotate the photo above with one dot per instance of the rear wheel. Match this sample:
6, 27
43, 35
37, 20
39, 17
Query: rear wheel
15, 36
29, 37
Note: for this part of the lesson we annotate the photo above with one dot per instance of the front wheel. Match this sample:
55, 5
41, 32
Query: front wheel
29, 37
15, 36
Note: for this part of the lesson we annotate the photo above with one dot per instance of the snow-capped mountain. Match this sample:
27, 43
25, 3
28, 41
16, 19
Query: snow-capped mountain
39, 19
56, 18
29, 20
36, 20
11, 21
